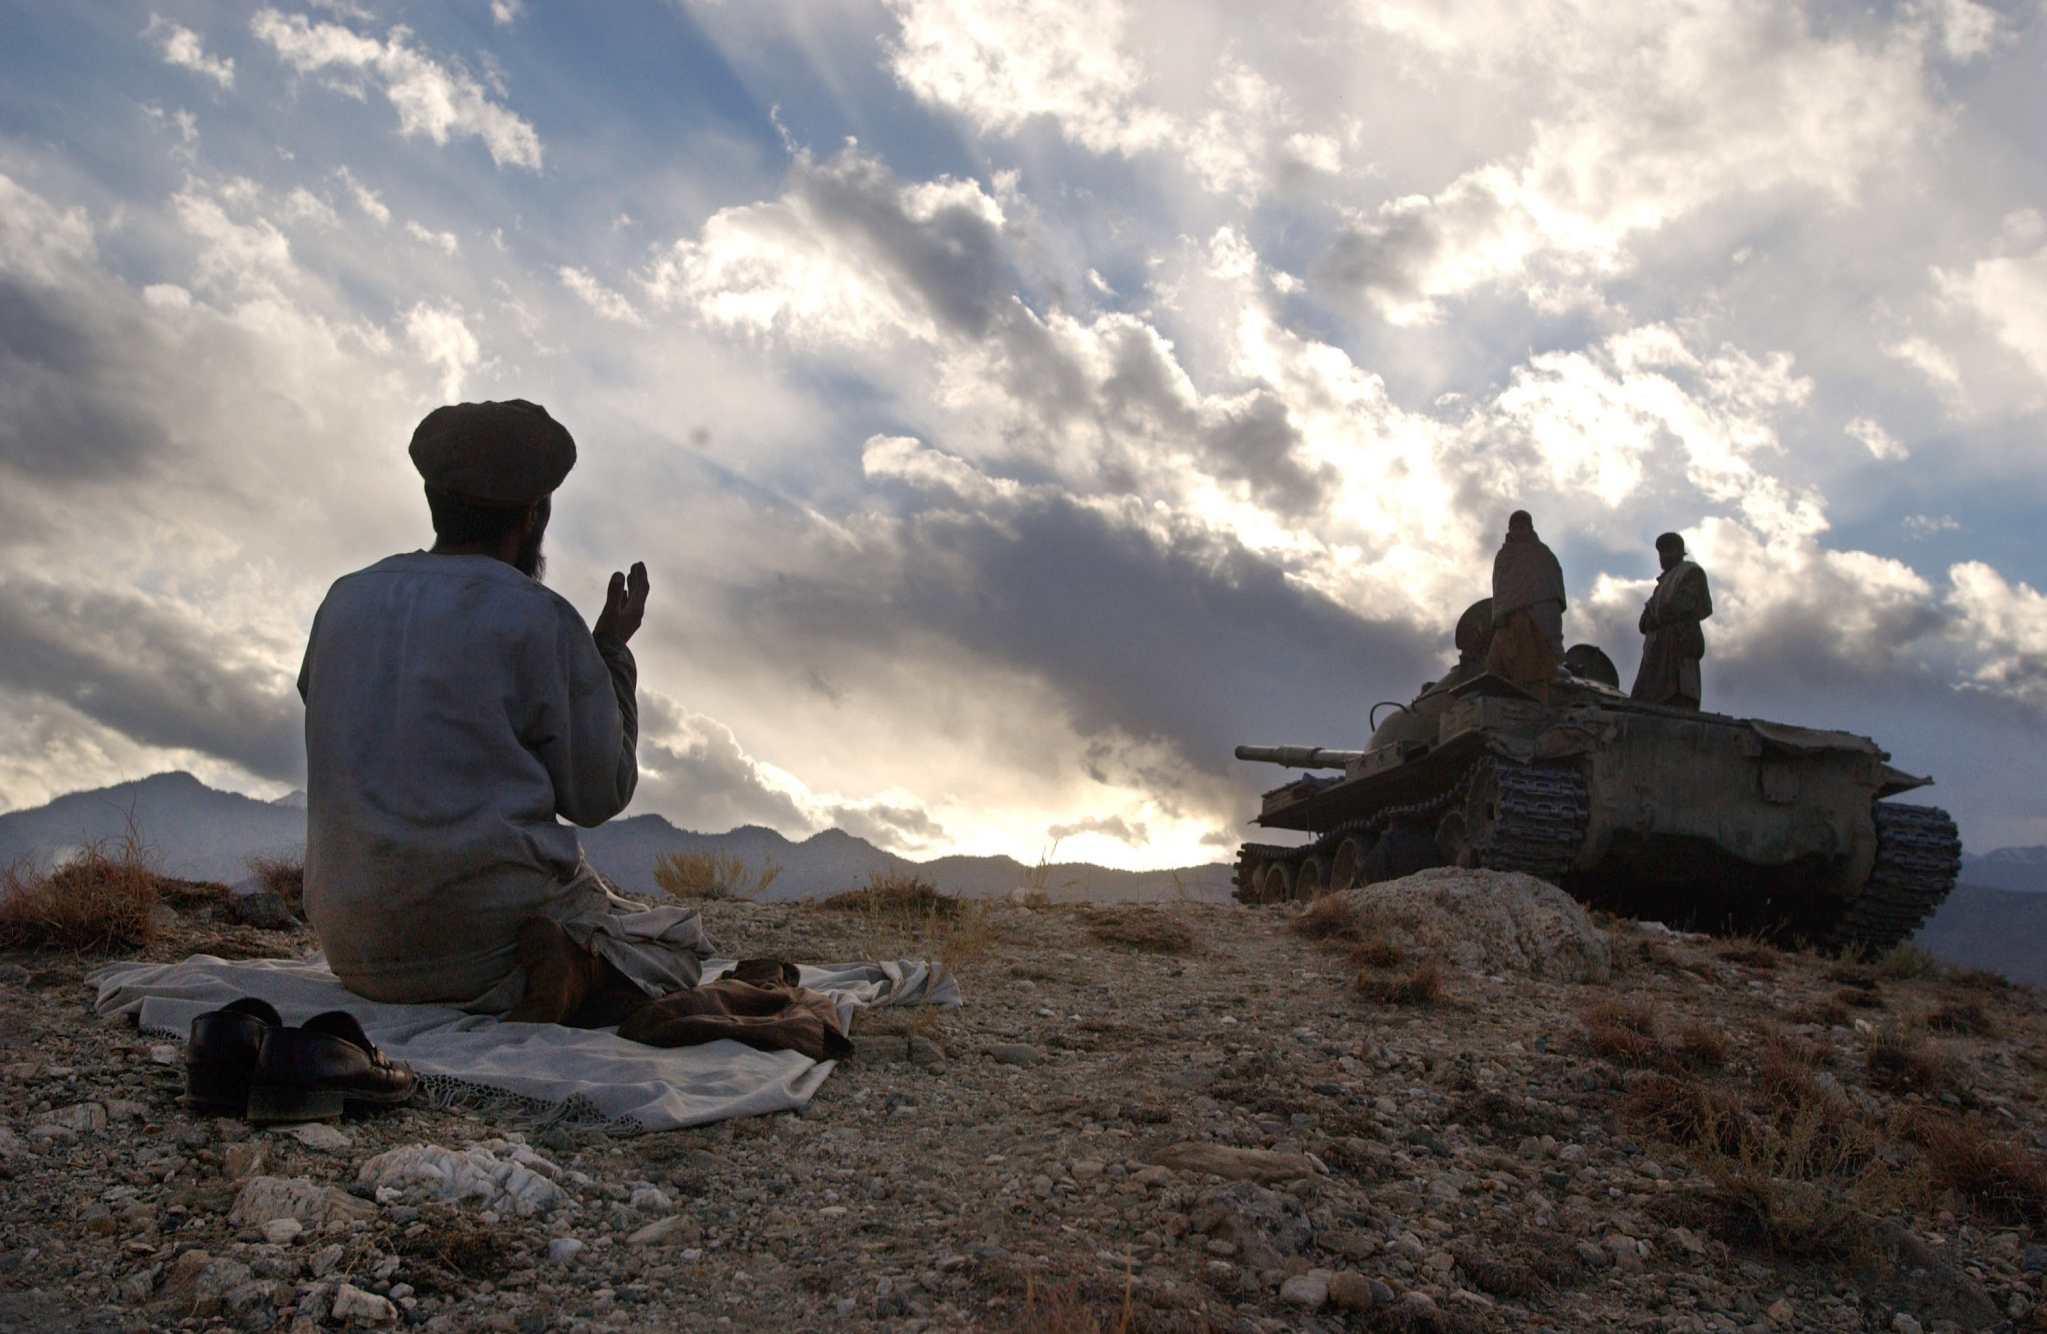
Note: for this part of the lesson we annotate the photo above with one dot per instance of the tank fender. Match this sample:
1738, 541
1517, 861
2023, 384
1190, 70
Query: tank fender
1890, 782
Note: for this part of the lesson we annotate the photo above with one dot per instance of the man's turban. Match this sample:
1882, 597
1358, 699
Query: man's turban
505, 454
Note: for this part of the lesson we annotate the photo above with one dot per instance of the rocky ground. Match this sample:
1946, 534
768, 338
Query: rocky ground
1389, 1113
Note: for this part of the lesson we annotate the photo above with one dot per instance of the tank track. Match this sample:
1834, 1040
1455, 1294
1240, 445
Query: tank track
1541, 822
1918, 855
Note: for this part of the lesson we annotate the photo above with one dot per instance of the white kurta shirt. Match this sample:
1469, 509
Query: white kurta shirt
454, 709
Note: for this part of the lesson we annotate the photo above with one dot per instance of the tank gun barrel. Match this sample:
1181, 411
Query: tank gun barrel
1300, 757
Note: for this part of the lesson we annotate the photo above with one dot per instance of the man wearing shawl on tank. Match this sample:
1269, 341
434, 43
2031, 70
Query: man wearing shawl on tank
1672, 640
457, 712
1528, 609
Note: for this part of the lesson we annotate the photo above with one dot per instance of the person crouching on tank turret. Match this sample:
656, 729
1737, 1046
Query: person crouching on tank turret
1528, 610
1672, 642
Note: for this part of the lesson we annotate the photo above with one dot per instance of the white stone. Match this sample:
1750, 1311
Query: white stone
650, 1200
472, 1174
664, 1231
352, 1304
1904, 1324
564, 1249
317, 1135
283, 1231
263, 1199
1487, 922
1307, 1291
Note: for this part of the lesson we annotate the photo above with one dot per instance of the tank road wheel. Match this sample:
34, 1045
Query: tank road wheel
1347, 865
1918, 855
1277, 885
1309, 880
1453, 840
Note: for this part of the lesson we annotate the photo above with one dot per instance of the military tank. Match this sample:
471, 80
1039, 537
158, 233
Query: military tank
1736, 825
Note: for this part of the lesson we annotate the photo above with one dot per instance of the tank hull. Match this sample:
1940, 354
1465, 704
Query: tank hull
1719, 822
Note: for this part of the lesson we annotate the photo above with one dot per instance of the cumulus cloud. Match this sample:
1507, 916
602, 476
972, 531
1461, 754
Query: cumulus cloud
444, 339
430, 98
181, 47
1676, 107
1179, 408
2009, 293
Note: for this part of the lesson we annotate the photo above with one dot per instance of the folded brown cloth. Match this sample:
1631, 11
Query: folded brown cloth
767, 1016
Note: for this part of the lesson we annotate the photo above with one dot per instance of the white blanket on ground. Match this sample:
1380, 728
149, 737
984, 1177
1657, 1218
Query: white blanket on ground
542, 1071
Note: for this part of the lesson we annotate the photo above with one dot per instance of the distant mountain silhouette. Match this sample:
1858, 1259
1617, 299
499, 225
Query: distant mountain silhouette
194, 831
201, 833
1981, 926
2023, 869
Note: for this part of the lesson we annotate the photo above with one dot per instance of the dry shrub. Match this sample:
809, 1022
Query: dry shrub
1829, 1013
99, 901
905, 895
462, 1248
1421, 984
1623, 1030
1906, 962
1144, 929
1375, 949
897, 912
1964, 1017
708, 874
1758, 954
1698, 1045
1065, 1309
2003, 1179
1327, 918
1688, 1112
1520, 1266
283, 876
1856, 998
1979, 979
1901, 1060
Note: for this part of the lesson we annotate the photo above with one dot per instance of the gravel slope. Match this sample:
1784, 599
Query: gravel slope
1468, 1162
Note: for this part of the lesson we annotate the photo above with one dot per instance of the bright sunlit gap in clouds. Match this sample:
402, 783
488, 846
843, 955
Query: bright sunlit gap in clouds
1019, 404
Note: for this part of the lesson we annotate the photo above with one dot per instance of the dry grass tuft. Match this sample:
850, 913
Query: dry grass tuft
1698, 1045
1375, 950
1964, 1017
1687, 1112
1979, 979
900, 913
712, 875
1901, 1060
905, 895
1421, 984
1754, 953
1519, 1267
1623, 1030
1143, 929
285, 877
99, 901
1905, 963
1327, 918
2003, 1179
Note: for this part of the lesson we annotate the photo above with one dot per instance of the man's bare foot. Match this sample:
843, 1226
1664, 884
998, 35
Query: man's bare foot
559, 973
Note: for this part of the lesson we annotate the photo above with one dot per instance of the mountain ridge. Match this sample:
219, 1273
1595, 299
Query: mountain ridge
202, 833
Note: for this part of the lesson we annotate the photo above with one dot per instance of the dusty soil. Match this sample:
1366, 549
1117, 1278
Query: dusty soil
1482, 1152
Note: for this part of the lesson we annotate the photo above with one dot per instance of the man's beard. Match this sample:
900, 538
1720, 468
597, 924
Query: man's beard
530, 561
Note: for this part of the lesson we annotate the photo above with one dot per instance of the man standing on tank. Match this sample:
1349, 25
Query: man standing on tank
1528, 609
1672, 642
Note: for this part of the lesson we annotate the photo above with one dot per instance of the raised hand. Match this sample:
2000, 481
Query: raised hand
625, 604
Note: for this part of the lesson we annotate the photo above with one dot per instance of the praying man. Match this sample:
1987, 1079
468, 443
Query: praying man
458, 711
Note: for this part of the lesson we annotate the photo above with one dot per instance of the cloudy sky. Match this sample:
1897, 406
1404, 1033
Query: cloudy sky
1019, 402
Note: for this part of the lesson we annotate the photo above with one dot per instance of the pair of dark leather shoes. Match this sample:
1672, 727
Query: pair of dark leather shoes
243, 1058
